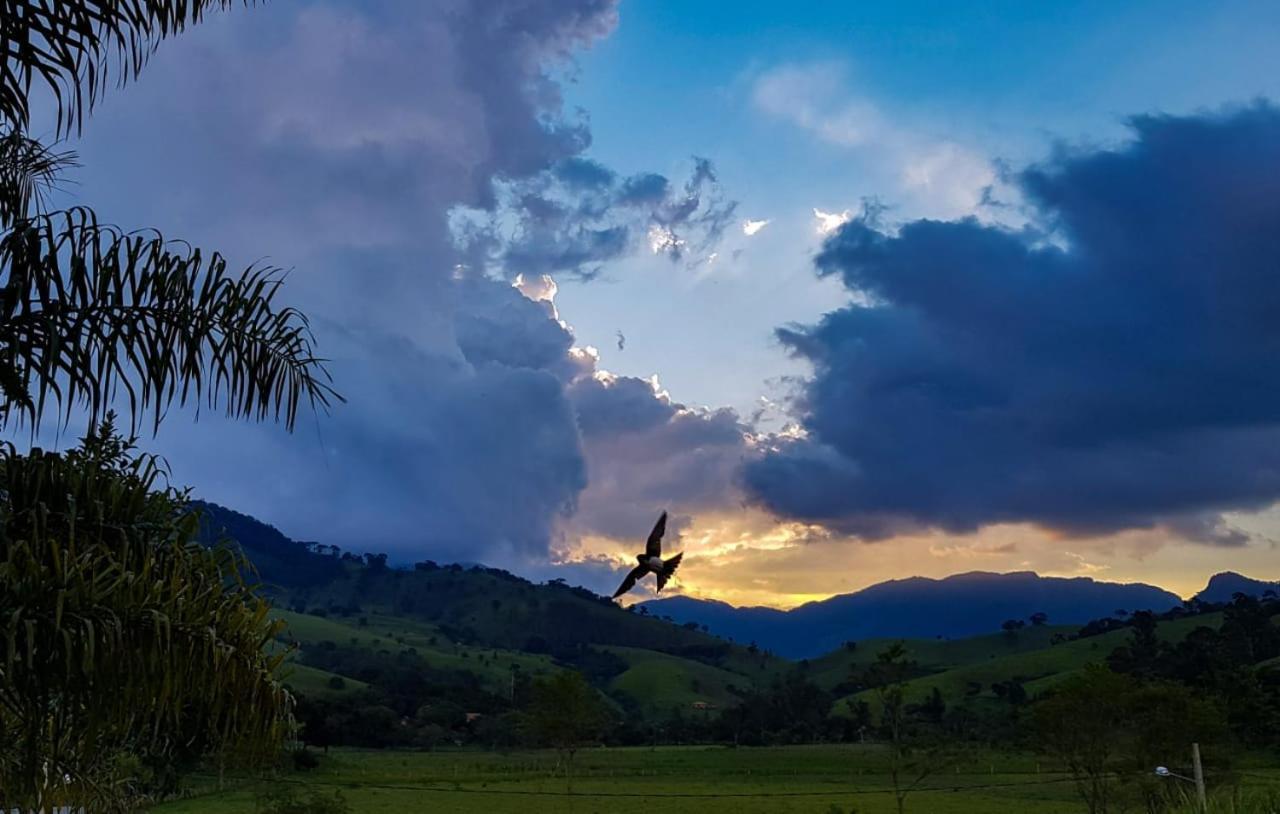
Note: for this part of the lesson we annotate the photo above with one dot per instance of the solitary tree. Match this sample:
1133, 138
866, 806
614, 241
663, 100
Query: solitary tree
1080, 726
887, 677
565, 713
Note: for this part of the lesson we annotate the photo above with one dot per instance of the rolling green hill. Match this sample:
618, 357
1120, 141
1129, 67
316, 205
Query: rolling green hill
479, 621
933, 655
1036, 664
474, 633
491, 608
657, 683
380, 632
653, 682
316, 682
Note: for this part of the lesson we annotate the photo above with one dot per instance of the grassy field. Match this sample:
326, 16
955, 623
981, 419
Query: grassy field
811, 779
711, 779
314, 682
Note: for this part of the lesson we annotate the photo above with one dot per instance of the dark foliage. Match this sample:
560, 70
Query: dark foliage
1219, 664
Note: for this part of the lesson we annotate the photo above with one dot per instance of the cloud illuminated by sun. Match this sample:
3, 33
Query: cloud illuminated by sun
744, 556
828, 222
662, 239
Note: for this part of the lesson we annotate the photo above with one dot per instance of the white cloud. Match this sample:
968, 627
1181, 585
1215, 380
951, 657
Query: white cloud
935, 177
828, 222
953, 176
751, 227
812, 97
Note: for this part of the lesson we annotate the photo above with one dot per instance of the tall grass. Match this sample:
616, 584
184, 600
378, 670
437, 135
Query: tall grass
1234, 802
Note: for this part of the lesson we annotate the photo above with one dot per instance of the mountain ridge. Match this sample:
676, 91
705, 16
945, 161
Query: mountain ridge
965, 604
960, 605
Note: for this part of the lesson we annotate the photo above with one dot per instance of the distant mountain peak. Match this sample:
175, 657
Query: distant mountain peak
1224, 585
966, 604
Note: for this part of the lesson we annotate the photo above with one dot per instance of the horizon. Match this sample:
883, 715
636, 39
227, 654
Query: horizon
633, 599
842, 288
1183, 596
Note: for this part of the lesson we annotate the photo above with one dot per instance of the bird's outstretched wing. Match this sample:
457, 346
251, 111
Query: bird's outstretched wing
669, 568
653, 548
630, 581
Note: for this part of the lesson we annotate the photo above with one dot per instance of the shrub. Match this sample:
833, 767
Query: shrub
303, 759
285, 800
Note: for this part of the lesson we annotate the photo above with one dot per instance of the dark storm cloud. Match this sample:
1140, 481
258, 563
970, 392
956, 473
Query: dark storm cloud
1116, 369
583, 173
625, 404
335, 137
579, 215
496, 324
645, 189
646, 453
435, 457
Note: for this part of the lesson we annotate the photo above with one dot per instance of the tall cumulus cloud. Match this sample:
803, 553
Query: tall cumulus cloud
338, 138
1114, 367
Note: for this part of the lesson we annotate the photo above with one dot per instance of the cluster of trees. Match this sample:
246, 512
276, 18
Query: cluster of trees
1110, 730
1219, 664
1012, 626
562, 711
407, 702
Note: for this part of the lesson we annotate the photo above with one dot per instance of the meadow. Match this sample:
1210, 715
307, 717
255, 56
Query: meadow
776, 780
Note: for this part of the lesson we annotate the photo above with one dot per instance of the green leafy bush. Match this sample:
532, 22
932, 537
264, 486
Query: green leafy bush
286, 800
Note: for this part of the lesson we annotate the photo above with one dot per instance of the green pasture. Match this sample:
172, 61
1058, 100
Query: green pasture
1023, 656
394, 634
659, 682
778, 780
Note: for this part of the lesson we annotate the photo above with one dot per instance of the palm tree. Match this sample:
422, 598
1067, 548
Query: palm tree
89, 312
121, 640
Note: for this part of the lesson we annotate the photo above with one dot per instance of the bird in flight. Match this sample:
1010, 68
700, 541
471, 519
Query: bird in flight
651, 560
622, 341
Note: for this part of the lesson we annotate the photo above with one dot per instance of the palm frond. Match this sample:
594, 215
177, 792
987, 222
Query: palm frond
76, 47
88, 312
29, 170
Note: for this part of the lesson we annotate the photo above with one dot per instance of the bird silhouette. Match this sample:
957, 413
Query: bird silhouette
651, 560
622, 341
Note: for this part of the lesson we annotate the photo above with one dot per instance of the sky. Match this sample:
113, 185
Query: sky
856, 291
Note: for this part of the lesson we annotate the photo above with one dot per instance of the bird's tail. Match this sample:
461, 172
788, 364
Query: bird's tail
669, 568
